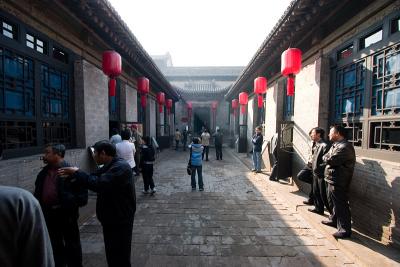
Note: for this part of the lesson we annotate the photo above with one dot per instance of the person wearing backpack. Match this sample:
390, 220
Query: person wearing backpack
196, 151
146, 163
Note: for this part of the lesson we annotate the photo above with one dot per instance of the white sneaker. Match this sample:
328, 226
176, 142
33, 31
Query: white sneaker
152, 191
145, 192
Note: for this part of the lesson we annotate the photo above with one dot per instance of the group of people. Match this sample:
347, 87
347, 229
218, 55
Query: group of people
329, 170
61, 189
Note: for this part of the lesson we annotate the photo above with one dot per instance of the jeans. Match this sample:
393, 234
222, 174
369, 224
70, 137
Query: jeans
199, 170
218, 151
206, 149
257, 160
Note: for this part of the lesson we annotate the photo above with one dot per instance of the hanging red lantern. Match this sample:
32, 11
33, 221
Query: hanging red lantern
243, 99
161, 101
290, 66
214, 105
169, 105
189, 108
112, 67
235, 105
143, 87
260, 88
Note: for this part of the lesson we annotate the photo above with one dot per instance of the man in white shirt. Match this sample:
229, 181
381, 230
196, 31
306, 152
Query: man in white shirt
205, 141
126, 149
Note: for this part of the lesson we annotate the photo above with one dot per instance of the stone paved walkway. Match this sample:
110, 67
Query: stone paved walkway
236, 221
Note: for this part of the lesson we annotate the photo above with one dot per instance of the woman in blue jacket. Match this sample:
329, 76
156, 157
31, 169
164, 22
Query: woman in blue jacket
196, 150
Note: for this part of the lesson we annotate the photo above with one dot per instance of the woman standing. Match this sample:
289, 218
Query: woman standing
146, 163
196, 150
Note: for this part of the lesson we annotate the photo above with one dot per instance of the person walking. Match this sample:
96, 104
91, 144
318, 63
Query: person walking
178, 137
218, 141
184, 139
60, 201
146, 163
196, 151
115, 138
24, 239
320, 148
116, 200
137, 140
126, 149
205, 141
340, 161
257, 141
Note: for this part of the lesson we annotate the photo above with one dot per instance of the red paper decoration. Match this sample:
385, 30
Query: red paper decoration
161, 101
112, 67
290, 66
260, 88
243, 99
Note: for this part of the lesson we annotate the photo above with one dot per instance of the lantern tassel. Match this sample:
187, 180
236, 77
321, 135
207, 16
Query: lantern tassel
242, 109
112, 83
160, 108
234, 112
143, 101
260, 101
290, 85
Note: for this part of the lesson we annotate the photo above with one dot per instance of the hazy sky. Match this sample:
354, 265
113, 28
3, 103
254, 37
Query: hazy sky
202, 32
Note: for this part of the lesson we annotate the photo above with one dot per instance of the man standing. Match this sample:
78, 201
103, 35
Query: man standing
218, 140
340, 161
60, 201
24, 240
320, 148
274, 156
257, 148
116, 200
205, 141
184, 139
177, 138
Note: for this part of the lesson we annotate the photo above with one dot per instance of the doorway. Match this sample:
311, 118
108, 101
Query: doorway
201, 119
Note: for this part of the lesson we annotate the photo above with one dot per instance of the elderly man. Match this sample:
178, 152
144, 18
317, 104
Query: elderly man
340, 161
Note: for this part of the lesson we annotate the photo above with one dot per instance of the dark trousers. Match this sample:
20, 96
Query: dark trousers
117, 242
199, 170
176, 144
205, 151
218, 151
274, 171
64, 236
147, 173
320, 194
137, 160
184, 142
306, 175
341, 209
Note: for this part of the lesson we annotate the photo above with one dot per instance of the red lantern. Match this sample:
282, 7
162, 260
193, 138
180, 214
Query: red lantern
143, 85
169, 105
243, 99
260, 88
290, 66
235, 105
189, 105
189, 108
161, 101
112, 67
214, 105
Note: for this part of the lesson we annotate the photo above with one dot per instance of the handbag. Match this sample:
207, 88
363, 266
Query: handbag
189, 166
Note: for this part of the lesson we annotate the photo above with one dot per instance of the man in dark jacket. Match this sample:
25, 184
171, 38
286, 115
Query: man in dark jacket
60, 201
257, 141
116, 200
317, 165
218, 140
340, 161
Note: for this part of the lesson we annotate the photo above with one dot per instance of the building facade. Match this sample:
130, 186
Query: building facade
350, 76
52, 87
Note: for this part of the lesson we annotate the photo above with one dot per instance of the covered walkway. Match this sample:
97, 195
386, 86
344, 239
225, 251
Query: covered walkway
238, 220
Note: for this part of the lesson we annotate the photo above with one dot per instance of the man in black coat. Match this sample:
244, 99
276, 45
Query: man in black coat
340, 161
60, 201
320, 148
116, 200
